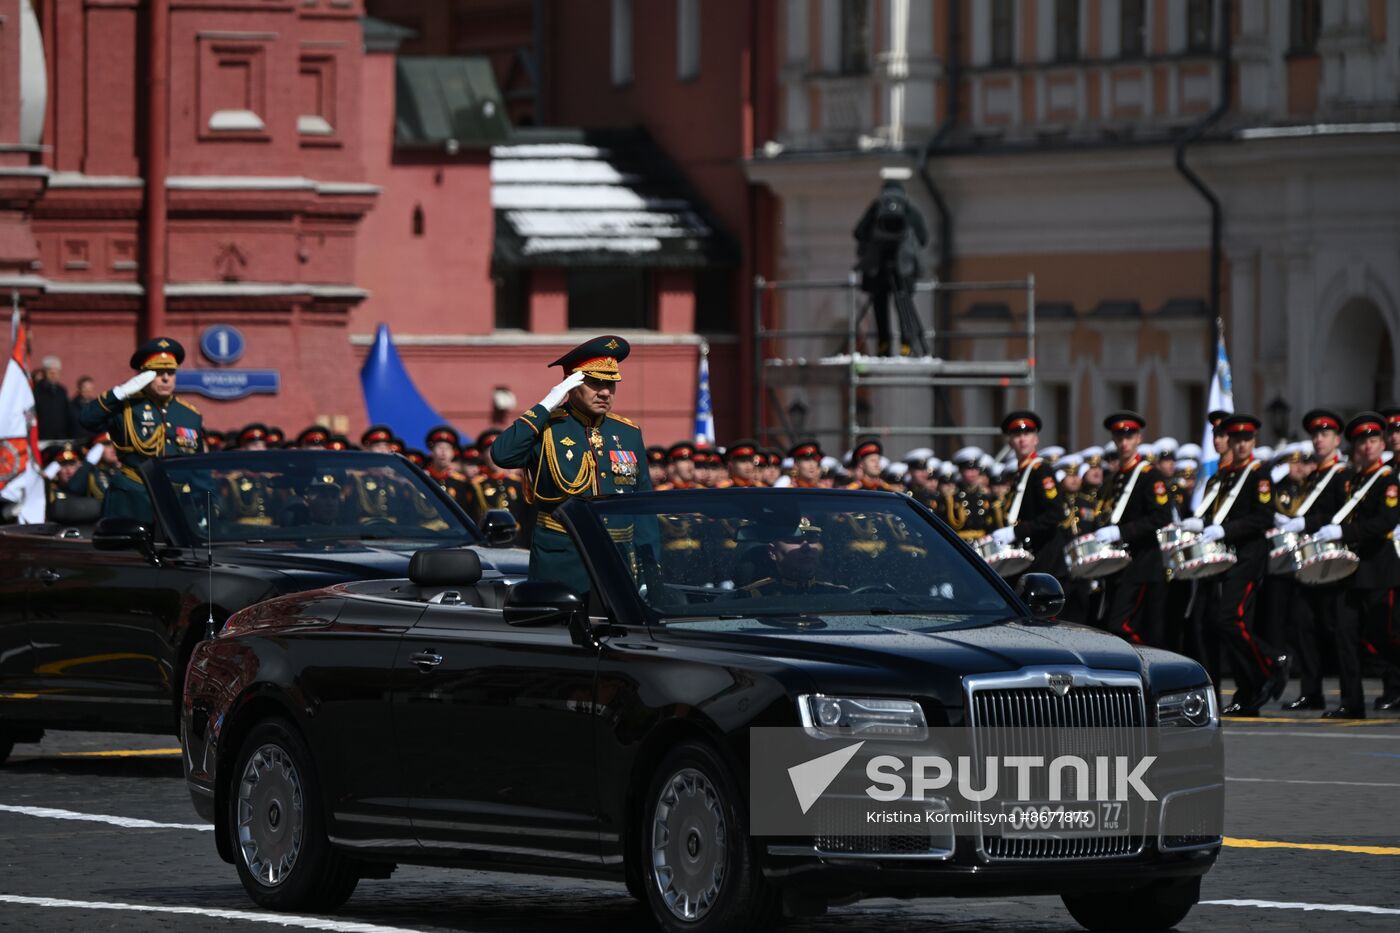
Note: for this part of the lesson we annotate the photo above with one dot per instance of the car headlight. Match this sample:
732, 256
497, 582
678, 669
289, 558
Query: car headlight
828, 717
1188, 708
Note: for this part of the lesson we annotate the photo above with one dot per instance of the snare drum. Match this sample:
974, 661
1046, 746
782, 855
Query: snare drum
1194, 559
1319, 562
1090, 559
1282, 544
1168, 537
1006, 559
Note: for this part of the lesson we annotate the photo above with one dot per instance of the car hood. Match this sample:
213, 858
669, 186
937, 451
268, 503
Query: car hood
892, 654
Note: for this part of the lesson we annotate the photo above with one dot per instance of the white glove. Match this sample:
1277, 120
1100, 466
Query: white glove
1193, 525
1293, 525
135, 384
1280, 519
1004, 536
95, 454
1328, 533
1395, 533
556, 395
1109, 535
51, 470
1212, 533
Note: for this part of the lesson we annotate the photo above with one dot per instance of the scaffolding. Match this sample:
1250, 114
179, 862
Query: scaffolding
792, 357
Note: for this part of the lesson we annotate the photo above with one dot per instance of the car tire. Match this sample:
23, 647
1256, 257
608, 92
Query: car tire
694, 852
276, 825
1158, 908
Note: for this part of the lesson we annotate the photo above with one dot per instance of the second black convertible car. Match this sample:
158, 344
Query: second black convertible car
98, 618
452, 719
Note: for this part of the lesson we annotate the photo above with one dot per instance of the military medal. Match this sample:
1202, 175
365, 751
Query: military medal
595, 439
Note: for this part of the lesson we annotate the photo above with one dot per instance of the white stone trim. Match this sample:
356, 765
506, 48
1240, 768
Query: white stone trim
236, 121
79, 180
265, 183
520, 338
313, 124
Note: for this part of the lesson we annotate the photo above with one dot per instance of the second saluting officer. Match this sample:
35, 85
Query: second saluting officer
144, 419
571, 444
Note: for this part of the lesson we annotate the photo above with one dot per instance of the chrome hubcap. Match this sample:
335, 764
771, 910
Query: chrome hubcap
270, 815
688, 844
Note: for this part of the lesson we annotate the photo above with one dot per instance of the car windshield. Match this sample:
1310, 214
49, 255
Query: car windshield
746, 554
310, 496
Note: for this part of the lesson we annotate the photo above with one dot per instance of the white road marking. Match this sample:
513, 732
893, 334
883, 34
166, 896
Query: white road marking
1245, 780
1299, 905
126, 822
283, 920
1270, 733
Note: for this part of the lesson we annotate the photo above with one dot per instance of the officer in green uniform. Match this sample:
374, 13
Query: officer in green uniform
145, 420
571, 444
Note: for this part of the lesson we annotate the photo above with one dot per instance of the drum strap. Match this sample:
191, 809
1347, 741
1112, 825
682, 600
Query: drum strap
1357, 496
1015, 511
1206, 500
1317, 490
1122, 504
1229, 503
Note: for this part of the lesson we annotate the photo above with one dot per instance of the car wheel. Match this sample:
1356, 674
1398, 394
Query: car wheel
1158, 908
276, 823
696, 858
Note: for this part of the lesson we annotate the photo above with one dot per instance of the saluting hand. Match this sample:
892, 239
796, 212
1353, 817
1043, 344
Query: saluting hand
135, 384
556, 395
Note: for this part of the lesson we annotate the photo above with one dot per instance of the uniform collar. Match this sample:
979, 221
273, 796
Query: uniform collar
1332, 460
1021, 465
1371, 469
1137, 458
587, 420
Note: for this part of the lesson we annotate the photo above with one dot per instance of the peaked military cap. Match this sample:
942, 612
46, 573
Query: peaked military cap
377, 434
1322, 419
275, 435
61, 453
471, 455
806, 450
416, 457
1366, 424
1021, 420
158, 353
313, 435
597, 357
214, 440
443, 432
740, 450
1241, 424
486, 438
257, 431
865, 447
1124, 421
682, 451
656, 454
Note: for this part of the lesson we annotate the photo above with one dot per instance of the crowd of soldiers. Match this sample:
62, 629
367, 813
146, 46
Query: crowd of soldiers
1052, 503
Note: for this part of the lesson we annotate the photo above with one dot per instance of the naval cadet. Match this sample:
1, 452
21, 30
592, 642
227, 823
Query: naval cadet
572, 445
145, 420
1035, 513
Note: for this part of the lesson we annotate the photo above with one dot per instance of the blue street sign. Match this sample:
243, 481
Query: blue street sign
221, 344
226, 384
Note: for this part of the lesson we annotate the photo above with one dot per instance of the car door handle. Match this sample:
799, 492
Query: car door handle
426, 660
50, 576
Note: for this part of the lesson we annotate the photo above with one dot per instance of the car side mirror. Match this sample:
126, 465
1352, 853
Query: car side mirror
123, 534
1042, 594
499, 527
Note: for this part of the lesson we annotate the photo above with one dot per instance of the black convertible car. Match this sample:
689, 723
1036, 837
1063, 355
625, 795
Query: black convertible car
98, 618
451, 718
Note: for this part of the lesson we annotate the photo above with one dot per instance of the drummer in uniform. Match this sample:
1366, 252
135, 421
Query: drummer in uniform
967, 508
572, 444
145, 419
1364, 527
1133, 506
1321, 495
1035, 511
1238, 504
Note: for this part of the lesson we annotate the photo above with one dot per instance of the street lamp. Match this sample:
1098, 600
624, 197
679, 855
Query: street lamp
1279, 417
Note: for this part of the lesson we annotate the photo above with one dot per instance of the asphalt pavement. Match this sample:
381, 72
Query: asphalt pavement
97, 833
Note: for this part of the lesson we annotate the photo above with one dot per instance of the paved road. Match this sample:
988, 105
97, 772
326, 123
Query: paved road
56, 873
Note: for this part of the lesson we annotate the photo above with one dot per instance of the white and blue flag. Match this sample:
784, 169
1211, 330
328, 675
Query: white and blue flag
1222, 398
704, 414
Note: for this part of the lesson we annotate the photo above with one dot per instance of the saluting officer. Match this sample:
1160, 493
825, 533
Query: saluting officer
1365, 524
1132, 506
1034, 511
144, 420
1238, 502
571, 444
1322, 495
442, 443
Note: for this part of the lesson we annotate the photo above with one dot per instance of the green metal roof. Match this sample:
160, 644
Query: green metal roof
448, 102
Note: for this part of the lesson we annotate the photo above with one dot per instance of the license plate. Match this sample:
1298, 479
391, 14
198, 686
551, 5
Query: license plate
1089, 817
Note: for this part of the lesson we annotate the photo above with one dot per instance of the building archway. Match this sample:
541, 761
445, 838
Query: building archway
1357, 368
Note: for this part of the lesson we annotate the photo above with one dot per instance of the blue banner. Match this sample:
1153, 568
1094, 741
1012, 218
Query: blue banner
228, 384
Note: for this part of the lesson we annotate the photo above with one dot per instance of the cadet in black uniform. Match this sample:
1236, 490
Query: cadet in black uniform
442, 443
1369, 516
968, 509
1239, 504
1314, 615
1134, 504
1034, 512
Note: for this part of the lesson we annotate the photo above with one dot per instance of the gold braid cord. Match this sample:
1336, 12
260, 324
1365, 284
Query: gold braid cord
155, 447
586, 479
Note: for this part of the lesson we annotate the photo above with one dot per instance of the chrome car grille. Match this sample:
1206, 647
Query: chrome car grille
1015, 714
